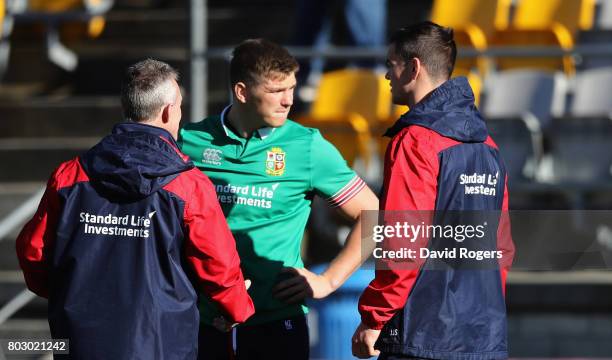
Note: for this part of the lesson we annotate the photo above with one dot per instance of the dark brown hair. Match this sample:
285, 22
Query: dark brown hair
255, 59
429, 42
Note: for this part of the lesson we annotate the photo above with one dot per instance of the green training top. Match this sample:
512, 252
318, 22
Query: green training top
265, 186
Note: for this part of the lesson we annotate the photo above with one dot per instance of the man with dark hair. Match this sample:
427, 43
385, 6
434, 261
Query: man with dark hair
266, 170
423, 311
123, 230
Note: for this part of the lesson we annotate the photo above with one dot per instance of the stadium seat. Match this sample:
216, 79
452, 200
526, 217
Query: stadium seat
595, 37
545, 23
591, 93
474, 23
5, 31
517, 145
94, 25
581, 146
473, 20
582, 150
603, 18
61, 19
513, 93
349, 104
518, 106
2, 13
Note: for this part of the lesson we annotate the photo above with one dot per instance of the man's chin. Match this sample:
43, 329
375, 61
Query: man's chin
277, 121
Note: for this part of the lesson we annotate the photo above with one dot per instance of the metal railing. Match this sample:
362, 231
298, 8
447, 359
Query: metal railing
16, 218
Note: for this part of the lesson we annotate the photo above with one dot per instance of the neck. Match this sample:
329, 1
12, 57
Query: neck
242, 121
160, 124
426, 87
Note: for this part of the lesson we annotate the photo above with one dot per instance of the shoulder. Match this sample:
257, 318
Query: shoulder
202, 125
412, 137
201, 130
415, 133
67, 174
422, 139
190, 184
490, 142
296, 130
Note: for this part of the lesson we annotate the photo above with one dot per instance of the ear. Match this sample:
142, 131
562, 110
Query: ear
240, 92
165, 114
417, 67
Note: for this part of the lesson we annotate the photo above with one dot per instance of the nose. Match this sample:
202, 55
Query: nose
287, 99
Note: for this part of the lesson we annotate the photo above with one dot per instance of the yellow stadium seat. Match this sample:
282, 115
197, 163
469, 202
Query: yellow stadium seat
474, 19
349, 104
53, 5
545, 23
2, 10
474, 23
352, 90
71, 31
544, 14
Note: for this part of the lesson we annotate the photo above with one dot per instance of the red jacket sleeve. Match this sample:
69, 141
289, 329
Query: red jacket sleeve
211, 250
504, 239
36, 237
504, 234
410, 183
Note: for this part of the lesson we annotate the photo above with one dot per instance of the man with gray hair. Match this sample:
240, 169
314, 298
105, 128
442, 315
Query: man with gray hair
125, 231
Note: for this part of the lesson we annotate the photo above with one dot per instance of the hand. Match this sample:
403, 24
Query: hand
220, 323
223, 325
363, 342
303, 284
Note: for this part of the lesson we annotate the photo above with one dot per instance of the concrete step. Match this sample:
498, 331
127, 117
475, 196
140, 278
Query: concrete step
29, 64
25, 328
101, 69
12, 284
12, 197
58, 117
8, 257
35, 159
156, 27
35, 308
36, 123
226, 24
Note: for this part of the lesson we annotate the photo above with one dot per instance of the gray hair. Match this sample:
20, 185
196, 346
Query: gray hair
146, 89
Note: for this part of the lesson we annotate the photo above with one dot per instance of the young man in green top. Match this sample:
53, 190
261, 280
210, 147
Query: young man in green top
266, 170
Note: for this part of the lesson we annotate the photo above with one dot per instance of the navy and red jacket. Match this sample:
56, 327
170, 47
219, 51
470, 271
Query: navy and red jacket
122, 235
455, 313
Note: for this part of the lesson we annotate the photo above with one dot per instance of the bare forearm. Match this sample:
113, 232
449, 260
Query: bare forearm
356, 249
348, 260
